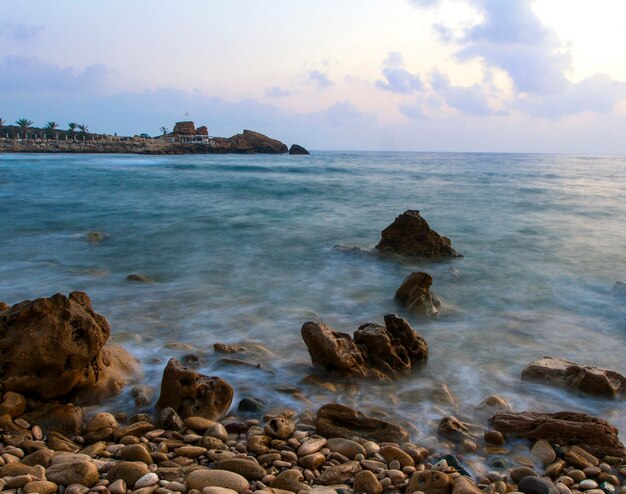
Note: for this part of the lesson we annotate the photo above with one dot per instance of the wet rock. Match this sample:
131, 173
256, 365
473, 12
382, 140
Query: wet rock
66, 419
519, 473
346, 447
430, 482
190, 393
312, 461
199, 479
335, 420
251, 405
411, 236
565, 373
339, 474
95, 237
280, 428
462, 485
594, 434
619, 289
13, 404
147, 480
297, 149
376, 351
139, 278
580, 458
136, 452
170, 420
490, 406
70, 356
414, 294
543, 452
290, 480
41, 487
310, 446
452, 428
101, 421
142, 395
366, 482
247, 468
129, 471
537, 485
77, 472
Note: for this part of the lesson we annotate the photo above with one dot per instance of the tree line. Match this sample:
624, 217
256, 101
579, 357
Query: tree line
51, 129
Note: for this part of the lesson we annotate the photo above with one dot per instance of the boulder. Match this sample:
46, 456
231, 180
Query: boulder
297, 149
54, 348
190, 393
202, 131
184, 128
593, 434
411, 236
254, 142
381, 352
565, 373
619, 289
335, 420
414, 294
66, 419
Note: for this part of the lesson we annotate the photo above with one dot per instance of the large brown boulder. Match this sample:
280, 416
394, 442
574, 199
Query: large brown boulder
255, 142
381, 352
568, 374
191, 394
414, 294
411, 236
65, 419
335, 420
594, 434
55, 348
202, 131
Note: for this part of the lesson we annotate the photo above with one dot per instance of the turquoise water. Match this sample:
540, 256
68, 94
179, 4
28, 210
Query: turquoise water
241, 249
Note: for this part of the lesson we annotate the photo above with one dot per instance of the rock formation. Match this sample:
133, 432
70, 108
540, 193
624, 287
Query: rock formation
190, 393
184, 129
54, 348
594, 434
414, 294
253, 142
565, 373
376, 351
411, 236
619, 289
202, 131
297, 149
335, 420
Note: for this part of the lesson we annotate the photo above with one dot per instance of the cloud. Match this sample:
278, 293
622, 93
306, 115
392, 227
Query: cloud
19, 73
472, 100
319, 79
424, 3
397, 79
19, 32
277, 92
346, 114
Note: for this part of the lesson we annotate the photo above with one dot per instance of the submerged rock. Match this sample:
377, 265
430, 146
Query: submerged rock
69, 359
594, 434
619, 289
414, 294
297, 149
139, 278
376, 351
411, 236
335, 420
191, 394
565, 373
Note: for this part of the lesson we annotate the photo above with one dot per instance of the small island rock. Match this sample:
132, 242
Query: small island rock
297, 149
414, 294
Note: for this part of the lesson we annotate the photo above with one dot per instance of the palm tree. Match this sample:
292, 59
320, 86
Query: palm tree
165, 131
24, 123
83, 128
51, 126
72, 128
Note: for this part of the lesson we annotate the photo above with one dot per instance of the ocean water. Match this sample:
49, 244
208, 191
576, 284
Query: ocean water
242, 249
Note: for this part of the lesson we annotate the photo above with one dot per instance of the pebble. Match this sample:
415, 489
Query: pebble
147, 480
312, 461
537, 485
345, 447
218, 490
592, 471
543, 452
390, 453
311, 446
118, 487
519, 473
41, 487
587, 484
199, 479
79, 472
366, 482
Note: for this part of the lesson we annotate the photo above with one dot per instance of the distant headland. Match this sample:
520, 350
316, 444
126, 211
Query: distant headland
185, 138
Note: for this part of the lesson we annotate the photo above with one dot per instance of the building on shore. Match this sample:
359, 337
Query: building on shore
187, 132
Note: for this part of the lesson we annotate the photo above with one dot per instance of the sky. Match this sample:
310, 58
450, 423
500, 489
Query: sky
391, 75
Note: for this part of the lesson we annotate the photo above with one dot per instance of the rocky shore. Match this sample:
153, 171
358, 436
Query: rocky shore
248, 142
56, 359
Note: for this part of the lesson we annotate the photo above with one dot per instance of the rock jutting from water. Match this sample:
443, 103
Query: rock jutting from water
619, 289
297, 149
411, 236
56, 348
381, 352
567, 374
415, 295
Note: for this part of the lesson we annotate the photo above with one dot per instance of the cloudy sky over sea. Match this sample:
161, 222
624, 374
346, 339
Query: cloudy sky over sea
431, 75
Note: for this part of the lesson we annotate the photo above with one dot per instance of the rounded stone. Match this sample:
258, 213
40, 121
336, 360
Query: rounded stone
101, 421
81, 472
199, 479
117, 487
312, 461
519, 473
280, 428
136, 452
430, 482
311, 446
199, 424
537, 485
217, 490
365, 481
40, 486
346, 447
247, 468
543, 452
587, 484
147, 480
76, 489
390, 453
190, 451
129, 471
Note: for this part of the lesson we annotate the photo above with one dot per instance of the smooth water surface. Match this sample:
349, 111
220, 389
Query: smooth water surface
241, 249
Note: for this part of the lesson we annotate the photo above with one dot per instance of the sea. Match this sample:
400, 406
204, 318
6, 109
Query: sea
244, 249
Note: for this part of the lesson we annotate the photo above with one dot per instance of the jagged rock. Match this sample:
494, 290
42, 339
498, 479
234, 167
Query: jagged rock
452, 428
255, 142
491, 405
65, 419
4, 306
376, 351
297, 149
191, 394
594, 434
184, 128
411, 236
565, 373
335, 420
414, 294
619, 289
55, 348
